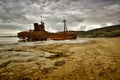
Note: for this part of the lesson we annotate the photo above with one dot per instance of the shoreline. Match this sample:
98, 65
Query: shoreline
96, 59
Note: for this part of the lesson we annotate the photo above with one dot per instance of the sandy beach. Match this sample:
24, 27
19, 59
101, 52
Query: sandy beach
97, 59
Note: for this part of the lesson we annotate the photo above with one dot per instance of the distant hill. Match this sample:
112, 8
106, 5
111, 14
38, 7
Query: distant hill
109, 31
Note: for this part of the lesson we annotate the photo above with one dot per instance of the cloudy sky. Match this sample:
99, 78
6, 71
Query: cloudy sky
19, 15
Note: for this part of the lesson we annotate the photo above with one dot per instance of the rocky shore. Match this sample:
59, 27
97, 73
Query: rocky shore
98, 59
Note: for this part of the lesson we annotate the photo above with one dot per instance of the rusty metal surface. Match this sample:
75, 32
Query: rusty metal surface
39, 33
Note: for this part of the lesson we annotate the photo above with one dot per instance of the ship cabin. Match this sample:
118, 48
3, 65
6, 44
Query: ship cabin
39, 27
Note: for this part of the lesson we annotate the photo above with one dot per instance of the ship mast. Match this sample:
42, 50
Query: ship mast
65, 26
41, 19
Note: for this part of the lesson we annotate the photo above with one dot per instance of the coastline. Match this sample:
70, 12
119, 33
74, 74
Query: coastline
96, 59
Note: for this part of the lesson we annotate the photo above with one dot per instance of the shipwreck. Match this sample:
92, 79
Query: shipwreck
39, 33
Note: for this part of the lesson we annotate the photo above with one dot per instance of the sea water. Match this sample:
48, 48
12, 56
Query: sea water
15, 41
8, 40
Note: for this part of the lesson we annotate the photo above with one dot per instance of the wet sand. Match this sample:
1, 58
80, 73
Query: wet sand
97, 59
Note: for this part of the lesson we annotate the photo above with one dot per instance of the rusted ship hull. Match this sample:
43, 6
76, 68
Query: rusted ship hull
39, 35
63, 35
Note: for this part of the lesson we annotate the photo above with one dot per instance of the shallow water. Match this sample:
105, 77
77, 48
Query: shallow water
14, 41
7, 43
8, 40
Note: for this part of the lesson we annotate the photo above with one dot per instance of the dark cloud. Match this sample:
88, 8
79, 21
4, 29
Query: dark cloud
77, 12
11, 27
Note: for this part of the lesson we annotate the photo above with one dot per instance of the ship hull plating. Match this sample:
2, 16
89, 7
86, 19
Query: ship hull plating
39, 33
